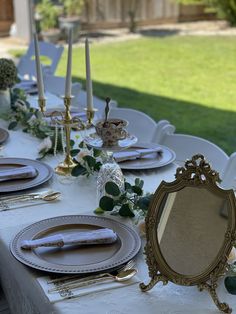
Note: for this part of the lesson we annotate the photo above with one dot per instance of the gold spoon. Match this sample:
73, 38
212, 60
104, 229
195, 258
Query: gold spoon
120, 277
48, 196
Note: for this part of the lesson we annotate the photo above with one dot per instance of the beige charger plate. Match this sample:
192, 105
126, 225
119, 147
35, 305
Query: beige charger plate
150, 161
76, 259
44, 173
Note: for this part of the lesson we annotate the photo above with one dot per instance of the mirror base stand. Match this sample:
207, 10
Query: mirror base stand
154, 280
211, 288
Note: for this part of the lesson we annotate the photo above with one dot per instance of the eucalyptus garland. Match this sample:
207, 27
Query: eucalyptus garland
126, 202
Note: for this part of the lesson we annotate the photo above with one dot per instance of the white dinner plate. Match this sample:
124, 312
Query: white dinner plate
93, 140
76, 259
149, 161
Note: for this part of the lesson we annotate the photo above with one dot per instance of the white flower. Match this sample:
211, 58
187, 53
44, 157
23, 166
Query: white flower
45, 145
20, 105
82, 154
232, 256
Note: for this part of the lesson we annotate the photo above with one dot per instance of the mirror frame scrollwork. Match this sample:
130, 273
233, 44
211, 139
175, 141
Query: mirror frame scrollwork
196, 173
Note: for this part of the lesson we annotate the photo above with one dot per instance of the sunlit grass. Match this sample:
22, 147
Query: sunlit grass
188, 80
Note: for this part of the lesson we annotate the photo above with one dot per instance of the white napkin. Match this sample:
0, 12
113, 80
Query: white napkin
78, 292
99, 236
134, 154
25, 172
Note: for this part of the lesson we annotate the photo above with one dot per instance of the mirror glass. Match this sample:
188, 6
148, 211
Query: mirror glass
191, 231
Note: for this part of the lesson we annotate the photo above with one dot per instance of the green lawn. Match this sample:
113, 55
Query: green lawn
188, 80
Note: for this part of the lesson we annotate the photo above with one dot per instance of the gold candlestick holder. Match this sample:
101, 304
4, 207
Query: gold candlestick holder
68, 122
42, 104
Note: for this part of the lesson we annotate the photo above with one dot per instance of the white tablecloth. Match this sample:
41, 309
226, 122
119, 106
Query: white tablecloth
18, 281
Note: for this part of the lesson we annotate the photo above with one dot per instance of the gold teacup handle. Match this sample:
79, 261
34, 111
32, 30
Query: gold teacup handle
123, 134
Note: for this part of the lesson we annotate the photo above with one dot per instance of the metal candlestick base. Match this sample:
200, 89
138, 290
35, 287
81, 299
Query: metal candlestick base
64, 168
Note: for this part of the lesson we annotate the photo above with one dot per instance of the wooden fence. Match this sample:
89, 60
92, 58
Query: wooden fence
6, 16
115, 13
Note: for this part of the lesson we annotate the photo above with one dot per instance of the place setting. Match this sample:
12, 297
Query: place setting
18, 176
80, 253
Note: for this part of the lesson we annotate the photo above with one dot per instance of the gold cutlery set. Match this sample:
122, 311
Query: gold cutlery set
126, 272
10, 201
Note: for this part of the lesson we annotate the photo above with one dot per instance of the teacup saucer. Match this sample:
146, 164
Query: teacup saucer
93, 140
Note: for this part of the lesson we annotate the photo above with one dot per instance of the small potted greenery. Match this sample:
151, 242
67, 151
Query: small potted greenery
48, 14
8, 78
71, 16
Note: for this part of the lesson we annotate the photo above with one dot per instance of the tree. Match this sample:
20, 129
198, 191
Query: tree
225, 8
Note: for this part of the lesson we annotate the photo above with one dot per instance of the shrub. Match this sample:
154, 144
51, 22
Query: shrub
48, 14
225, 8
72, 7
8, 73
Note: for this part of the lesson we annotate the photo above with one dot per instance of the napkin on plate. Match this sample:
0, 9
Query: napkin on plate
78, 292
99, 236
25, 172
134, 154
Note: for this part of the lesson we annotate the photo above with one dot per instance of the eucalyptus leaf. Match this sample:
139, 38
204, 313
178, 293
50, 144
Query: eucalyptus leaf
97, 166
96, 152
230, 285
106, 203
98, 211
112, 188
91, 161
12, 125
74, 152
81, 145
138, 182
143, 202
128, 186
125, 211
136, 189
78, 170
72, 143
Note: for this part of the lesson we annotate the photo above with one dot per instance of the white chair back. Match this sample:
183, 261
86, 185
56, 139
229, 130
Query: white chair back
185, 146
140, 124
26, 66
56, 85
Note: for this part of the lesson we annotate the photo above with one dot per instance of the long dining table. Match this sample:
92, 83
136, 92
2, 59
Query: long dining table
19, 282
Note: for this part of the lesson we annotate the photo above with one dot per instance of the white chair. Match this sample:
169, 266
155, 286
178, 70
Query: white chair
26, 66
56, 85
229, 173
140, 124
185, 146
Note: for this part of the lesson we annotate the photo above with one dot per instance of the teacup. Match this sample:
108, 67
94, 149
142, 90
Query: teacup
111, 131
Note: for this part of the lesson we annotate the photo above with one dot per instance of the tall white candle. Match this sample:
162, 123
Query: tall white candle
69, 65
38, 69
89, 87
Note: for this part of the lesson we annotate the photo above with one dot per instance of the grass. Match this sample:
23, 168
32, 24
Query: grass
187, 80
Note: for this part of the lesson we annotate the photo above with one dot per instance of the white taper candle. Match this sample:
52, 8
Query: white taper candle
38, 69
89, 87
69, 64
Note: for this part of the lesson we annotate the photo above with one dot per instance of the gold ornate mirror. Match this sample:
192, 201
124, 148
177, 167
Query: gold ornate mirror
191, 230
